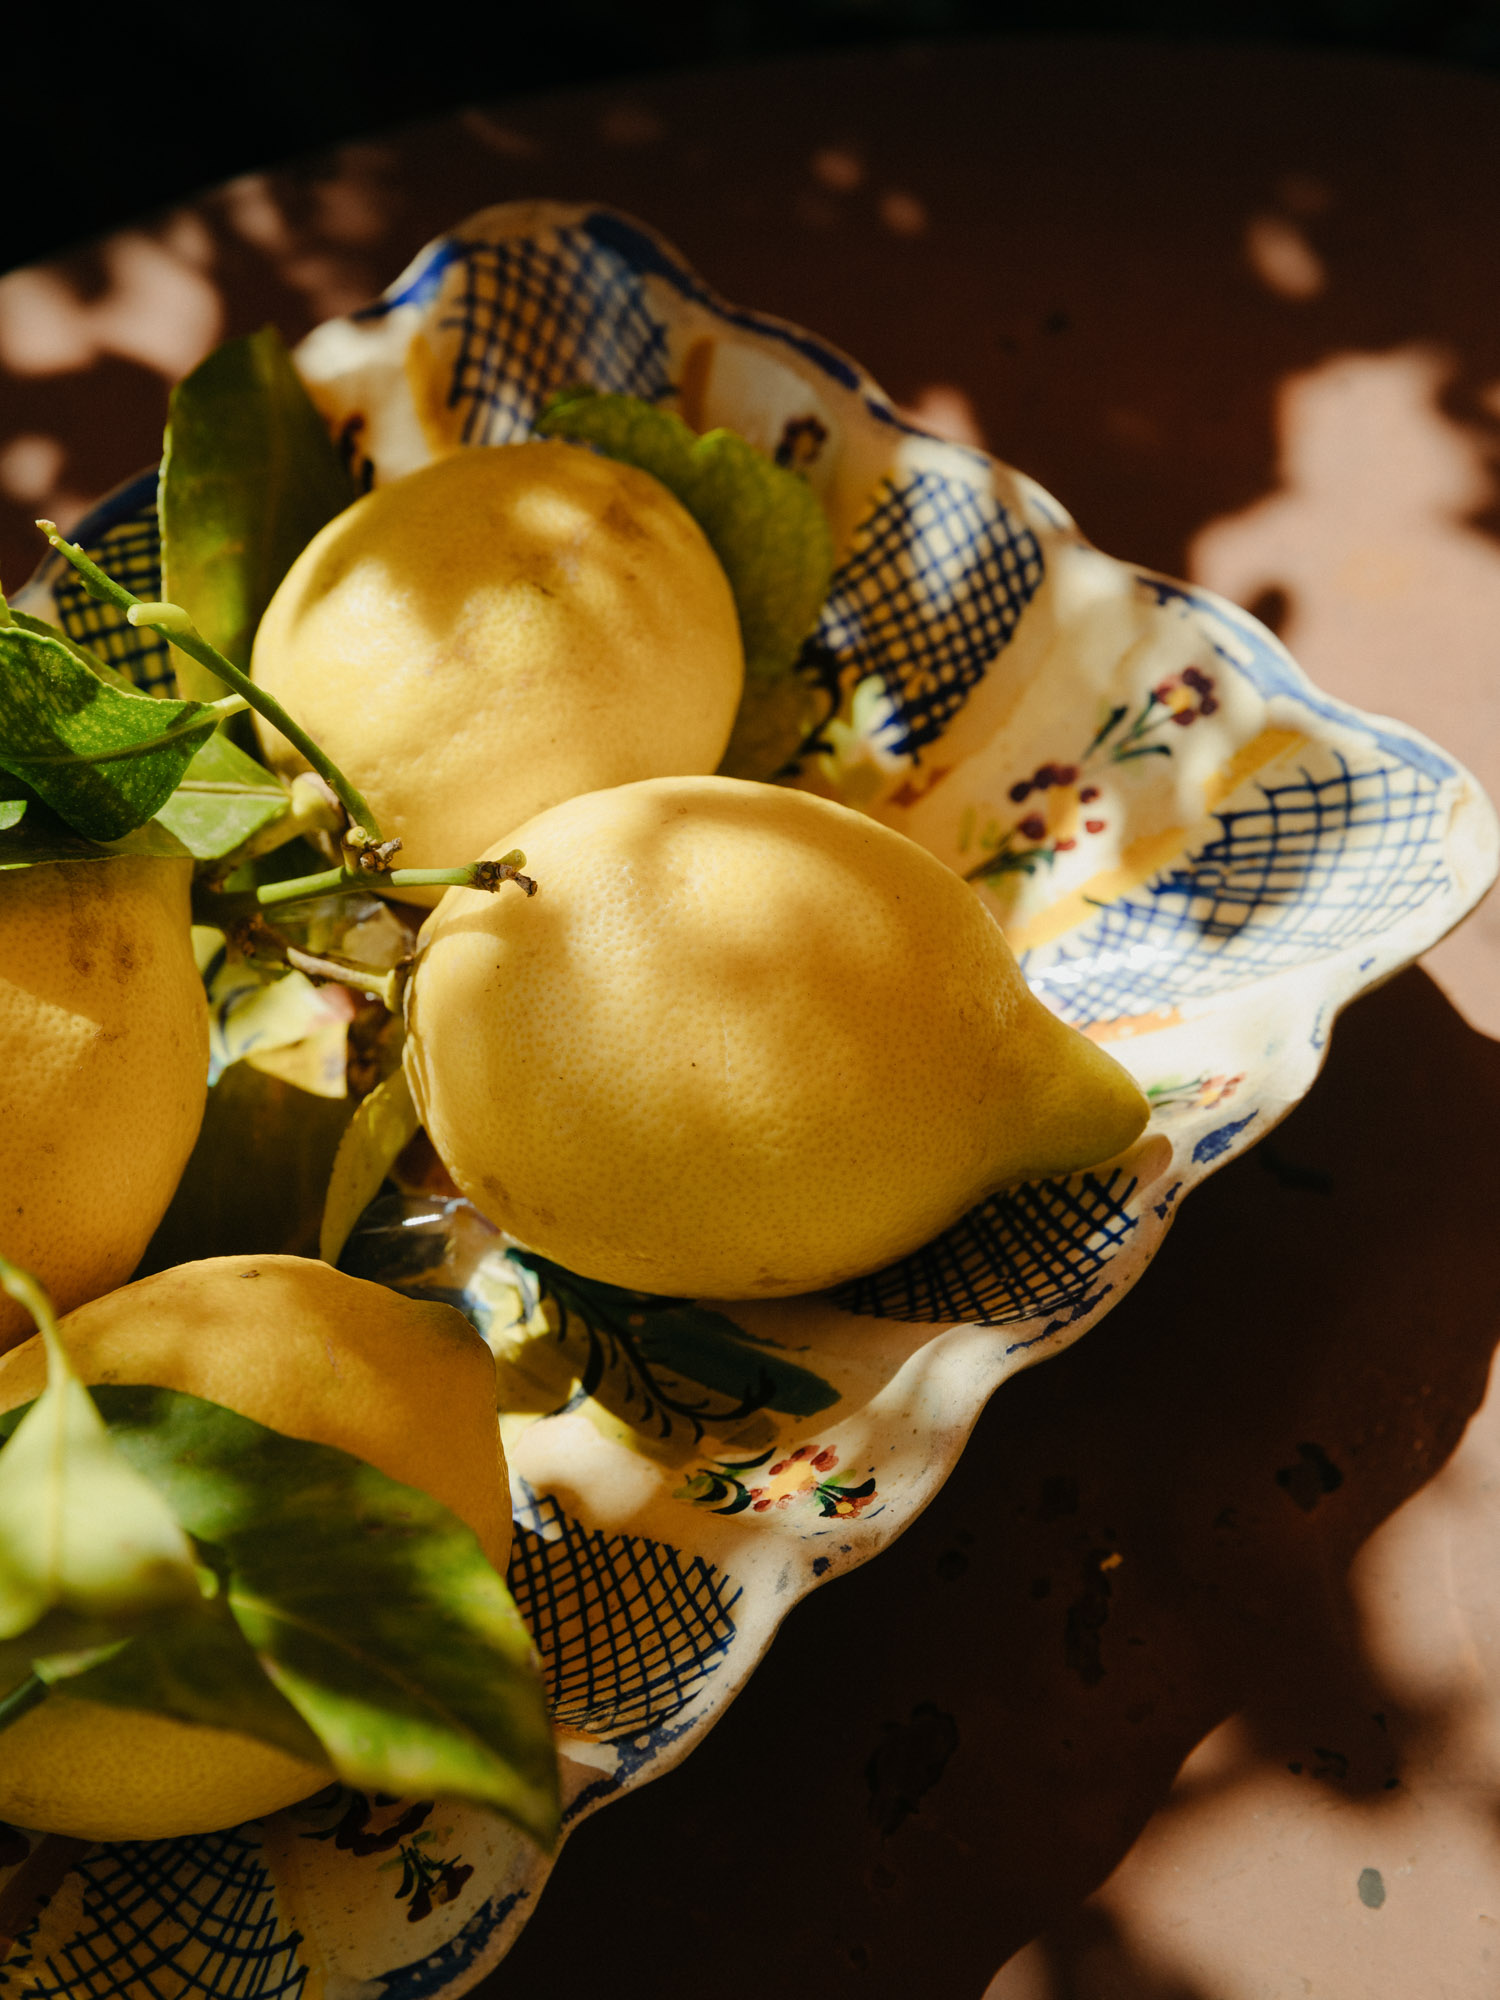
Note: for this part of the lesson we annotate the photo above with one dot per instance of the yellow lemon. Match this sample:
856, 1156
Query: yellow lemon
497, 631
407, 1386
742, 1043
103, 1068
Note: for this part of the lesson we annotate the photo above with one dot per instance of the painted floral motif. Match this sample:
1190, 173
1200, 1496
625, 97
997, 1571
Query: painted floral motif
427, 1880
1061, 805
1200, 1093
724, 1486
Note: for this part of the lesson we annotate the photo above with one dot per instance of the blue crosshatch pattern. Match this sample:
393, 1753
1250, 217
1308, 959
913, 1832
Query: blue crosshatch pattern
627, 1628
191, 1918
536, 314
1035, 1249
130, 550
938, 576
1315, 866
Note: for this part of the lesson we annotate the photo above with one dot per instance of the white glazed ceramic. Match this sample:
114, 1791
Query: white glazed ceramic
1200, 859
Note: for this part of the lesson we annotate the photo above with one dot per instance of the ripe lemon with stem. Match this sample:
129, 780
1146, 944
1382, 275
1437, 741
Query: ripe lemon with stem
743, 1043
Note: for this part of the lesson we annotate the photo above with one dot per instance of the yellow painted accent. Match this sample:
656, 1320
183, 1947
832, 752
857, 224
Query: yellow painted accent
1249, 758
1133, 1024
427, 380
1137, 864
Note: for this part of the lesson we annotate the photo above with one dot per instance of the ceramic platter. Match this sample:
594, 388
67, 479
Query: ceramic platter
1199, 859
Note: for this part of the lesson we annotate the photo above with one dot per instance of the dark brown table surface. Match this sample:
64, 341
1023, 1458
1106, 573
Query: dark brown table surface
1241, 312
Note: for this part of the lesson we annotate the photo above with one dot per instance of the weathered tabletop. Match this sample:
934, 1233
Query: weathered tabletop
1241, 312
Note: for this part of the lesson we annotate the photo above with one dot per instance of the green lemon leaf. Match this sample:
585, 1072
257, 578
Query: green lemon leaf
223, 800
41, 839
382, 1125
248, 477
371, 1608
105, 758
194, 1665
766, 527
80, 1529
83, 654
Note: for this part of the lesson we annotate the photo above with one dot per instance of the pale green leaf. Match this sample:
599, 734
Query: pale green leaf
80, 1529
224, 799
381, 1126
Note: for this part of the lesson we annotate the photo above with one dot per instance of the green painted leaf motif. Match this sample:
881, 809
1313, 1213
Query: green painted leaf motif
224, 798
672, 1369
382, 1125
249, 476
766, 527
80, 1529
103, 757
369, 1605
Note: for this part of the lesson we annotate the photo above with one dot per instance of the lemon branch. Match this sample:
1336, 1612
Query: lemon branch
177, 628
489, 875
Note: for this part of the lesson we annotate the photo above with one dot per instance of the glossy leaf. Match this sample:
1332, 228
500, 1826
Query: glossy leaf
80, 1529
104, 757
371, 1607
223, 800
382, 1125
249, 476
766, 527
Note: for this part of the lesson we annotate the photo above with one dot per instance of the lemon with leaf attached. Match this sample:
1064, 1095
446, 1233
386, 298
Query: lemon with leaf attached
103, 1067
742, 1043
498, 630
292, 1358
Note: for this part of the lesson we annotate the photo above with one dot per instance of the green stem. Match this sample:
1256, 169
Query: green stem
489, 875
232, 704
22, 1699
175, 626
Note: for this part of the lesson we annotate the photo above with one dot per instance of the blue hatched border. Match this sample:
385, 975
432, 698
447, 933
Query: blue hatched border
582, 1593
195, 1919
1318, 866
1034, 1249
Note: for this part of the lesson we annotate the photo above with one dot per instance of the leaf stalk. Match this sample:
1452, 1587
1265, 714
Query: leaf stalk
175, 626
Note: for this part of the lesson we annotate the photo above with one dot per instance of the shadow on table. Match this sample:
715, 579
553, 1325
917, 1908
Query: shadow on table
944, 1754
